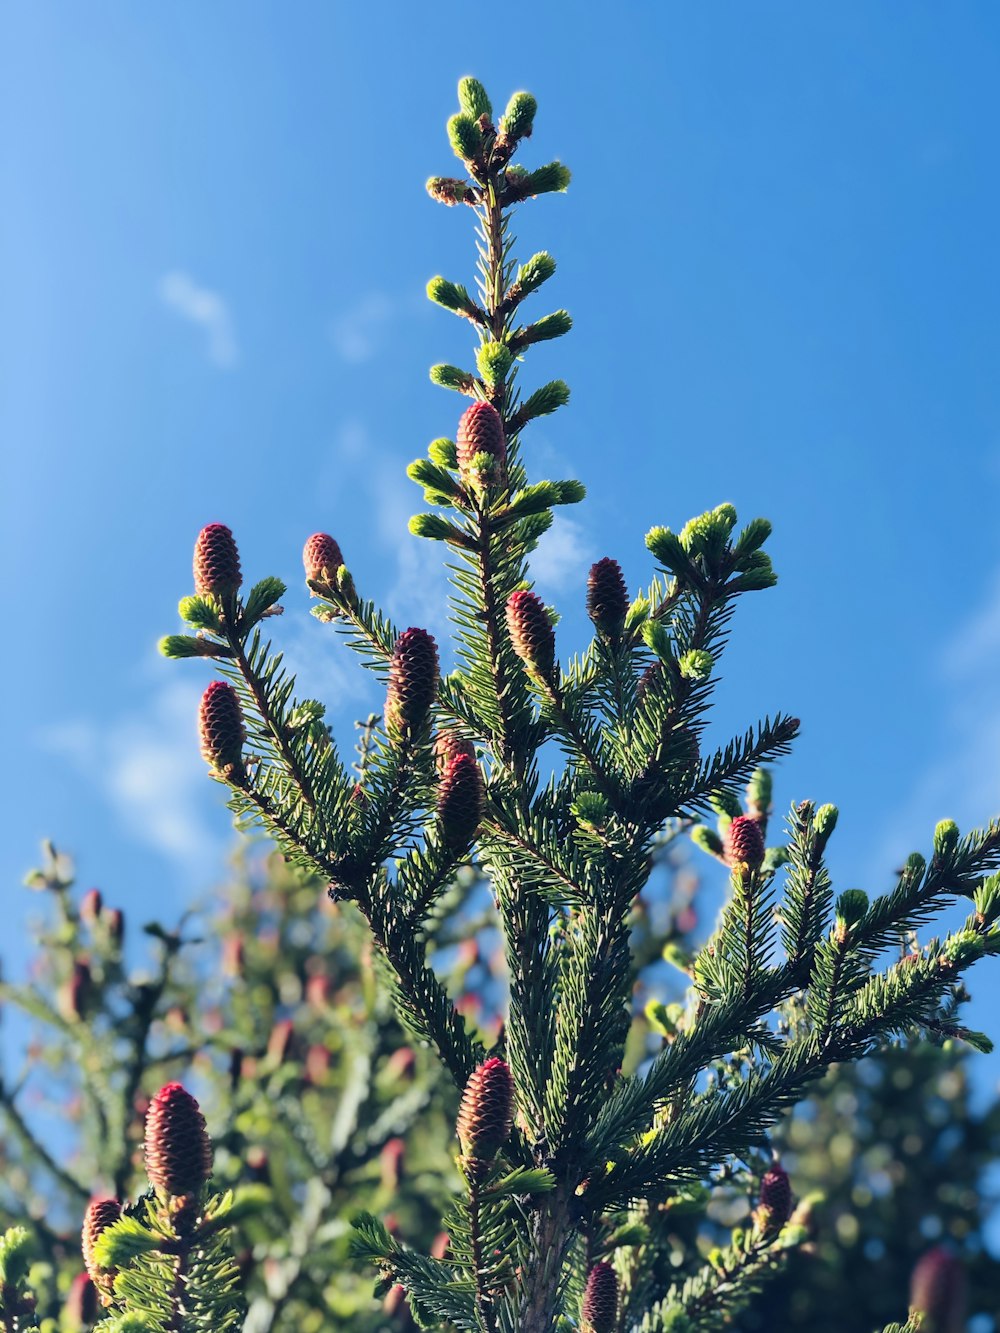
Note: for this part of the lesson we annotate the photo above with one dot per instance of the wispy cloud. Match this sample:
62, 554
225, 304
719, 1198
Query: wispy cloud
149, 770
563, 556
962, 782
323, 666
418, 592
358, 331
207, 309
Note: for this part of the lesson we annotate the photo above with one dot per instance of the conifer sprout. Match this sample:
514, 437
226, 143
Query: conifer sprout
607, 1144
163, 1263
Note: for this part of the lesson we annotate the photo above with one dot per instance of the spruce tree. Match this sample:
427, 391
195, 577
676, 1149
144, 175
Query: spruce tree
572, 1172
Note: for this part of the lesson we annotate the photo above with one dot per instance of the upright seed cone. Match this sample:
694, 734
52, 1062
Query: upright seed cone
216, 562
480, 431
744, 842
177, 1147
413, 681
460, 802
607, 597
486, 1113
322, 560
600, 1300
100, 1214
531, 633
220, 729
776, 1197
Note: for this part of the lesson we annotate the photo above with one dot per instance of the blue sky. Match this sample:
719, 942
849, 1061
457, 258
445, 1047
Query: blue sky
780, 252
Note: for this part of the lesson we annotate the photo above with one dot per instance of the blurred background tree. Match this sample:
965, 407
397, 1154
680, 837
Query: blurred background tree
267, 1002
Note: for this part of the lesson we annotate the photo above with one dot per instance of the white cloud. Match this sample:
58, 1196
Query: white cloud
323, 666
962, 783
418, 592
201, 306
563, 557
148, 768
358, 331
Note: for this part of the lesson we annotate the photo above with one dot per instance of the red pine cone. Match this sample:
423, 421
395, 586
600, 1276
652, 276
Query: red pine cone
413, 681
744, 842
178, 1149
115, 919
460, 802
480, 431
100, 1214
937, 1289
280, 1041
83, 1302
600, 1300
221, 730
776, 1196
531, 632
607, 597
216, 562
90, 906
322, 558
448, 745
77, 991
486, 1114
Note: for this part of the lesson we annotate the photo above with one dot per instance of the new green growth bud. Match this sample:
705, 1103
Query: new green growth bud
553, 177
696, 664
530, 276
667, 548
824, 822
451, 295
851, 907
518, 120
727, 805
542, 403
436, 528
753, 536
707, 840
473, 99
493, 361
591, 809
758, 573
543, 330
599, 1311
442, 453
945, 838
486, 1113
452, 377
465, 137
759, 790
